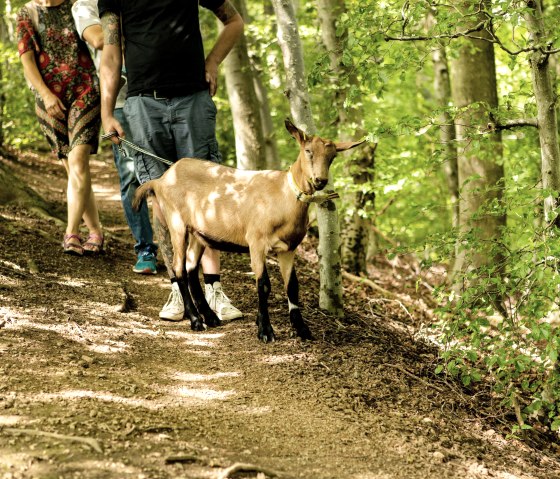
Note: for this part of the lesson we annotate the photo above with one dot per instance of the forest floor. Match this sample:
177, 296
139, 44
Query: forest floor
94, 385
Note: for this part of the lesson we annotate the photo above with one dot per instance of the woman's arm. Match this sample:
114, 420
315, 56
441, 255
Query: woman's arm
94, 36
88, 23
53, 104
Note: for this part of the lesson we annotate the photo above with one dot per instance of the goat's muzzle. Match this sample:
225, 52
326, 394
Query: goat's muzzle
320, 183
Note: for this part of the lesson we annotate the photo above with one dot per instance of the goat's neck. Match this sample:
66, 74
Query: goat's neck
301, 181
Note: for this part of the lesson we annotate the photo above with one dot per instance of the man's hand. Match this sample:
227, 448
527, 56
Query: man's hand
211, 71
53, 105
110, 124
232, 31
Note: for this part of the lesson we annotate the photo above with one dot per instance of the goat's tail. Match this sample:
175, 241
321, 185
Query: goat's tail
141, 193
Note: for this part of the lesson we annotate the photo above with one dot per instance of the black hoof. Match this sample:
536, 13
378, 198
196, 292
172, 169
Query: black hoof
197, 324
211, 319
304, 333
267, 336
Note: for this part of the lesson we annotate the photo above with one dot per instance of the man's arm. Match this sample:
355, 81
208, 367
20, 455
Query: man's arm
110, 72
232, 31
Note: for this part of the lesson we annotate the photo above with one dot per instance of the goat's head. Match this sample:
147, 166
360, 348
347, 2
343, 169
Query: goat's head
316, 155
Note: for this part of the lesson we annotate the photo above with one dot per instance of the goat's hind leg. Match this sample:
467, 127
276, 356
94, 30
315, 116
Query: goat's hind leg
286, 262
195, 250
178, 240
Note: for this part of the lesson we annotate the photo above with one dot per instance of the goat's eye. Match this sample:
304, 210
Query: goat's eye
309, 152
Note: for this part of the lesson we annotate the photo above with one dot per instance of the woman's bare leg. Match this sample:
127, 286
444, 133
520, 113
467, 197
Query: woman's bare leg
80, 197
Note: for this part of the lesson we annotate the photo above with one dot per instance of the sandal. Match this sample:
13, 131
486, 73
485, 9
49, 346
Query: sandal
75, 249
94, 244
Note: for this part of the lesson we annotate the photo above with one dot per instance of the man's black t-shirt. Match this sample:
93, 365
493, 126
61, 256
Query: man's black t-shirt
162, 43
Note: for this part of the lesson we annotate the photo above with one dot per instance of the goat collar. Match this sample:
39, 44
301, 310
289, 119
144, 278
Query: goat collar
316, 197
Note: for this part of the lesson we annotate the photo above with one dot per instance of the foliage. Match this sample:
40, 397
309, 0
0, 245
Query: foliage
517, 353
19, 122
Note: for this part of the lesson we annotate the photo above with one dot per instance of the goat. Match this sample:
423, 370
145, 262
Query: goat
243, 211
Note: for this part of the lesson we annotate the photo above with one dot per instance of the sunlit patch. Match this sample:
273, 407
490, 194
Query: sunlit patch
192, 336
115, 197
107, 348
67, 281
137, 328
177, 222
11, 265
115, 469
11, 318
192, 377
204, 394
213, 196
176, 397
287, 358
95, 338
9, 420
99, 395
253, 410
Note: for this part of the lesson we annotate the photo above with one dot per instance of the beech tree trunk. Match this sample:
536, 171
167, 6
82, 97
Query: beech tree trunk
245, 107
480, 172
4, 38
545, 99
330, 294
442, 93
357, 228
272, 160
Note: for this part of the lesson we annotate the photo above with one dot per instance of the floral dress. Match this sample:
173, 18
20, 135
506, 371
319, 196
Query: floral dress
68, 70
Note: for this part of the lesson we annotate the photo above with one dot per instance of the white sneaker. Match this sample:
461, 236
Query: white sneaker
174, 309
220, 303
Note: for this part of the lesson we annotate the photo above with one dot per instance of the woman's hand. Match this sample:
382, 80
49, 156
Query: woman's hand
54, 105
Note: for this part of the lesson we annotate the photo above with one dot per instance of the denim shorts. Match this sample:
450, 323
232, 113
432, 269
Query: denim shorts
172, 128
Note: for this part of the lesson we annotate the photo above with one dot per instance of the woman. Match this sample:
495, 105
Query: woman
61, 73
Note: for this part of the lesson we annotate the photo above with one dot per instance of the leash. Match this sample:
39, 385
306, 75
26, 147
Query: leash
112, 134
317, 197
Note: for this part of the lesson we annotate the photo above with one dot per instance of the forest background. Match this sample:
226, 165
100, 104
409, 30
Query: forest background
458, 102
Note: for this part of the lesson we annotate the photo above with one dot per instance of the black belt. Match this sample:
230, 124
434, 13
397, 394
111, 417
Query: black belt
163, 94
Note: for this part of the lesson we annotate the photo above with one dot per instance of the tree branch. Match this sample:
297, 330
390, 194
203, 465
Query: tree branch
477, 28
510, 124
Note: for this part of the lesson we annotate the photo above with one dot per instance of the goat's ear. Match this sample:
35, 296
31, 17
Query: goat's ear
347, 145
299, 135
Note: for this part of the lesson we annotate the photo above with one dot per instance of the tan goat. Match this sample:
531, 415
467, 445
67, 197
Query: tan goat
236, 210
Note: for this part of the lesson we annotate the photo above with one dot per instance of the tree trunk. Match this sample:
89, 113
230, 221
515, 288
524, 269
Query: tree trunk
4, 39
357, 229
330, 294
442, 92
545, 99
245, 107
480, 172
269, 133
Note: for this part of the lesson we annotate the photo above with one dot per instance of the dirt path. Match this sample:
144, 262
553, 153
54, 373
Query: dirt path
83, 356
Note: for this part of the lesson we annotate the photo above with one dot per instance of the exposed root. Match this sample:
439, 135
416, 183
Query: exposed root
239, 466
93, 443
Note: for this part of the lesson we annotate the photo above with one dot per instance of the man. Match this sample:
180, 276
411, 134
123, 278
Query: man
88, 25
169, 104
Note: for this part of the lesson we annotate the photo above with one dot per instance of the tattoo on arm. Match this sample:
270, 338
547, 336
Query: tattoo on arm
226, 12
111, 24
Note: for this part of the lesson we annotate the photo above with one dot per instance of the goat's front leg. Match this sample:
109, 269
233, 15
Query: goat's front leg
194, 253
264, 328
286, 262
